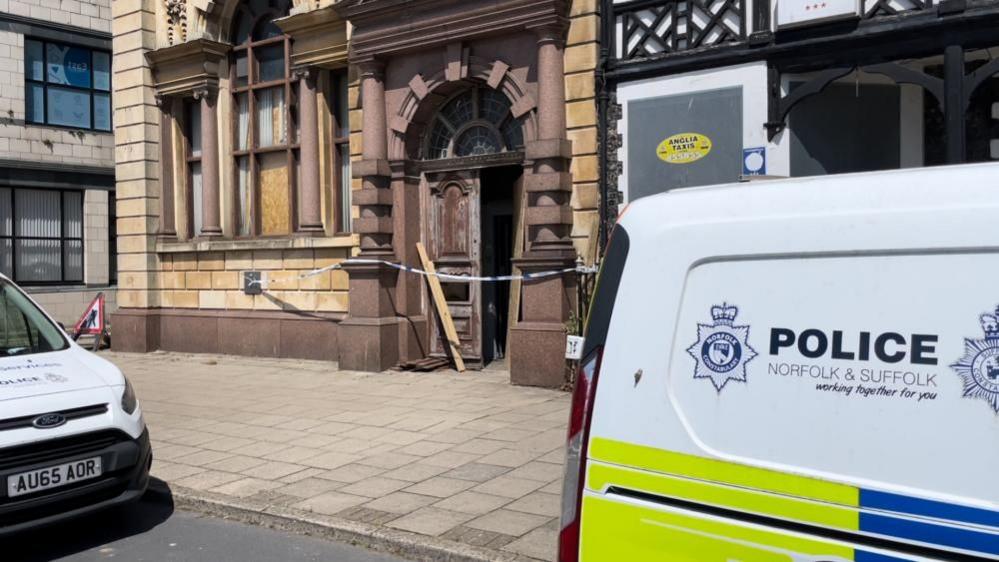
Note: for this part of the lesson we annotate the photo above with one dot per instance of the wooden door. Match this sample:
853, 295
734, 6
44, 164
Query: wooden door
453, 242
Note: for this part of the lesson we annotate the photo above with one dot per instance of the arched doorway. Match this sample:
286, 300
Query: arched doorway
472, 157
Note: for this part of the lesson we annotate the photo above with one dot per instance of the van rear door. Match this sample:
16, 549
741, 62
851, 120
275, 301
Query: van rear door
802, 370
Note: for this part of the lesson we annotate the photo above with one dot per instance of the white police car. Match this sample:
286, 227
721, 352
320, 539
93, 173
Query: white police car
72, 437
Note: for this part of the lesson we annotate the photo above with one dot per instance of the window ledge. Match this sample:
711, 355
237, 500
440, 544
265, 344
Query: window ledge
81, 288
304, 242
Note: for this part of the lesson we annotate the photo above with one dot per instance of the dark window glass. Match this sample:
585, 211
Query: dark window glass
271, 63
67, 86
102, 71
112, 238
35, 103
70, 108
476, 141
341, 150
476, 122
69, 66
34, 60
41, 235
102, 112
242, 69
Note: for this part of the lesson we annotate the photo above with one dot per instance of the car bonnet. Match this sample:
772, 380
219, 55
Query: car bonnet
45, 373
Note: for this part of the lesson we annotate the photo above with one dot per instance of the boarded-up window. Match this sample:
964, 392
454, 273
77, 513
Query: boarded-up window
265, 147
275, 205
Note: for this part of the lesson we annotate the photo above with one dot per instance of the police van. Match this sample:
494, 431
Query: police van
802, 370
72, 436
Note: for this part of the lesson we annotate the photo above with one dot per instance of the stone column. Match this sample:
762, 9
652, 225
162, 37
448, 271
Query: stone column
310, 202
210, 214
375, 196
537, 342
549, 216
168, 223
369, 336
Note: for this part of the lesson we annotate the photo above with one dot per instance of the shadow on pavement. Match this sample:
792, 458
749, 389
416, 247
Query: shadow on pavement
92, 531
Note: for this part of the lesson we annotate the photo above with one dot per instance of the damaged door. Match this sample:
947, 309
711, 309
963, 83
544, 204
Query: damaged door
453, 242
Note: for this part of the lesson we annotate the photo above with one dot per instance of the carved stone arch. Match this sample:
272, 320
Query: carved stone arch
213, 19
426, 95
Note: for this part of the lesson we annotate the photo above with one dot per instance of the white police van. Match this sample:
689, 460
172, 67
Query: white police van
803, 370
72, 437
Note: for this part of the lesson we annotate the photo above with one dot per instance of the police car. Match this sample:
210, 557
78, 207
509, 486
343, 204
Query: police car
802, 370
72, 437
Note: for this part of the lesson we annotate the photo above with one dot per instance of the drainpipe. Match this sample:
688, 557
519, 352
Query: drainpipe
603, 101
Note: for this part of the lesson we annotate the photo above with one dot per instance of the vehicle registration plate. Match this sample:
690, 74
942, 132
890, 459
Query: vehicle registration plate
53, 477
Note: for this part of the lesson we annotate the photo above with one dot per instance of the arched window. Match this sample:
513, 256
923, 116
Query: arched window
473, 123
265, 125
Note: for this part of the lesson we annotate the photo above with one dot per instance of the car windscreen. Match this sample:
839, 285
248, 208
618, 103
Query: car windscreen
24, 329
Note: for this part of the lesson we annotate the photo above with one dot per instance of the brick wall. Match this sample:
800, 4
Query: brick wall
51, 145
67, 306
94, 15
214, 280
40, 143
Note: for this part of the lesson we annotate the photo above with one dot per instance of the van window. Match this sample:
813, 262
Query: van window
606, 291
24, 330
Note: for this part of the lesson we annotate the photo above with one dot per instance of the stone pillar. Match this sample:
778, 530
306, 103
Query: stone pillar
375, 197
369, 336
210, 214
168, 223
310, 202
549, 217
537, 345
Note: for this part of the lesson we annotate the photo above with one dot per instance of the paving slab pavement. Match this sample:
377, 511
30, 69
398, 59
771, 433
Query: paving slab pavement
465, 466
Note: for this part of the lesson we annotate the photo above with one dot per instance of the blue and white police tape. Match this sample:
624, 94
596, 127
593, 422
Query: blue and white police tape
445, 276
448, 276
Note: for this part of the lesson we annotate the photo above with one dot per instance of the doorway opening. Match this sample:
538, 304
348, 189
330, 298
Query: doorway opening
498, 186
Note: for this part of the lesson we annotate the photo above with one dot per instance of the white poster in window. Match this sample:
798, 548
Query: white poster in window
795, 13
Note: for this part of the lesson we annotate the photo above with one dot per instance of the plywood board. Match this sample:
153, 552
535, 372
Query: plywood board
275, 207
442, 309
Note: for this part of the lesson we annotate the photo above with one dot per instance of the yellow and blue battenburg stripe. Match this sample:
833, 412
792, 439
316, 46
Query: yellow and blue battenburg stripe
819, 520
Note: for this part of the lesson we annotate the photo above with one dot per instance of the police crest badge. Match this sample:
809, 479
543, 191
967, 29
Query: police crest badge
979, 368
722, 349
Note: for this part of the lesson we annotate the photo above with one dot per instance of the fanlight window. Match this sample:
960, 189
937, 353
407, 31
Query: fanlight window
474, 123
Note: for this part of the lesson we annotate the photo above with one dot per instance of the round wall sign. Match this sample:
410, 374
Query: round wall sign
684, 148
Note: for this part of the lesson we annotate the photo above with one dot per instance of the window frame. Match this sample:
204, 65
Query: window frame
91, 91
189, 107
291, 146
340, 86
14, 237
112, 237
475, 91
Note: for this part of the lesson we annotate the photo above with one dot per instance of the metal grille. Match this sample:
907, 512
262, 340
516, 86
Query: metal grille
73, 414
56, 449
650, 28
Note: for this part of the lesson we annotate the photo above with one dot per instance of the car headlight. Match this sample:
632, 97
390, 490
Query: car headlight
128, 401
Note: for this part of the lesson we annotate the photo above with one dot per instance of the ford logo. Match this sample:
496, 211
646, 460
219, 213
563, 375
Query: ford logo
48, 421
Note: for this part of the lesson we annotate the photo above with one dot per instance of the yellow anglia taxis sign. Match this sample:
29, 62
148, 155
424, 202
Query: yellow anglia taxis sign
684, 148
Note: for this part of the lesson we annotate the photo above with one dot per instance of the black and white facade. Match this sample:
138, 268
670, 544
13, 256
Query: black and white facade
696, 92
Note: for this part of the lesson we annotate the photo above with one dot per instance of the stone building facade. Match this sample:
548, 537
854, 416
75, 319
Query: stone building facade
57, 152
276, 137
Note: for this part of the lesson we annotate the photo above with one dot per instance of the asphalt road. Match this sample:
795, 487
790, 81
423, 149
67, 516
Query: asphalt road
151, 530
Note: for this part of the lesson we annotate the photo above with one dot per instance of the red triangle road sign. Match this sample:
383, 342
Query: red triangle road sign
92, 322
